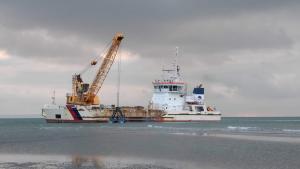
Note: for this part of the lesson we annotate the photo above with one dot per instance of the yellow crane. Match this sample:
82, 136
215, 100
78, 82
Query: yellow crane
86, 94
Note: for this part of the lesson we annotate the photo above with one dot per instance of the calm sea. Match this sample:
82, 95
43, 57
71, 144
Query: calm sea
233, 143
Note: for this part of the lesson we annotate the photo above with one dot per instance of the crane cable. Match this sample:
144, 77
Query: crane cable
95, 59
119, 77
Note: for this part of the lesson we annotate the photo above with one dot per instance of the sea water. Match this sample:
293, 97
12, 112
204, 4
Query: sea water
232, 143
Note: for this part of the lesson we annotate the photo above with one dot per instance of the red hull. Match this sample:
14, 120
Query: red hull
130, 120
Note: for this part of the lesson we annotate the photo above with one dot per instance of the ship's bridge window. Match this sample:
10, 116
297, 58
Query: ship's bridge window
199, 108
95, 108
173, 88
163, 88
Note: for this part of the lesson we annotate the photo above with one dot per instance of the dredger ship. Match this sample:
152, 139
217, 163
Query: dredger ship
169, 103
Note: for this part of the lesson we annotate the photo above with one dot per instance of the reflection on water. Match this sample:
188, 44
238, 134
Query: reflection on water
20, 161
80, 161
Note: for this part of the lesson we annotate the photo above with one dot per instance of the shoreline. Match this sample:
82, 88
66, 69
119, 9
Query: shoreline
93, 161
253, 137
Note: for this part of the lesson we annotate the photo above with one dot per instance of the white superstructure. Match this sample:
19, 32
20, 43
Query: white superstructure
170, 95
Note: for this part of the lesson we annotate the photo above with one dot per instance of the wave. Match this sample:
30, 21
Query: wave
186, 134
283, 120
291, 130
171, 127
269, 138
182, 128
241, 128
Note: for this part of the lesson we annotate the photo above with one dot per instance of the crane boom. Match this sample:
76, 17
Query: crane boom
86, 94
105, 67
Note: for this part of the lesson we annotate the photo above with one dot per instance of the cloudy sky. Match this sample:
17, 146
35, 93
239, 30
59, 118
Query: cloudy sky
245, 52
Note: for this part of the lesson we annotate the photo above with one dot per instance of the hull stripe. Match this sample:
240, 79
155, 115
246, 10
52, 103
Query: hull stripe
74, 112
131, 120
77, 113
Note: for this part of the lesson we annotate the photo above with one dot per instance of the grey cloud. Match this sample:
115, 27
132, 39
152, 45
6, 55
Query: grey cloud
219, 37
257, 81
149, 26
40, 44
207, 32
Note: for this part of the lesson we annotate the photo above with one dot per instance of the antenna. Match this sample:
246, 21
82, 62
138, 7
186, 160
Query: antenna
176, 60
53, 97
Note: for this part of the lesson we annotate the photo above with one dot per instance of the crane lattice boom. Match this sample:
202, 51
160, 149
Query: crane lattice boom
85, 94
105, 67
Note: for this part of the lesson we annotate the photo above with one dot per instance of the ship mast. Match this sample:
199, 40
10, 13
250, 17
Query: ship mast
176, 64
53, 97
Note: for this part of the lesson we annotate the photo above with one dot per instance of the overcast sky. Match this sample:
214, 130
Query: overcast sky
245, 52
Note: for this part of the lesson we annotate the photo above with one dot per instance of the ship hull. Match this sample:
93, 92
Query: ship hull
133, 120
86, 114
191, 118
100, 121
83, 114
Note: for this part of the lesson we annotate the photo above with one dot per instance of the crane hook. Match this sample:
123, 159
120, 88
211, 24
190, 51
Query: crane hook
94, 62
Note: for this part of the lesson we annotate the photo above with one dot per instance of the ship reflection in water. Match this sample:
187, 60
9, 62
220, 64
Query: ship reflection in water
82, 161
85, 161
18, 161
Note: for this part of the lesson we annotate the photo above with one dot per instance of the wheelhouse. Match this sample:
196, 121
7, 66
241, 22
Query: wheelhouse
169, 86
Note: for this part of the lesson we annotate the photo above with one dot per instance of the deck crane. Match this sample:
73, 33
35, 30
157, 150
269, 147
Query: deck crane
86, 94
